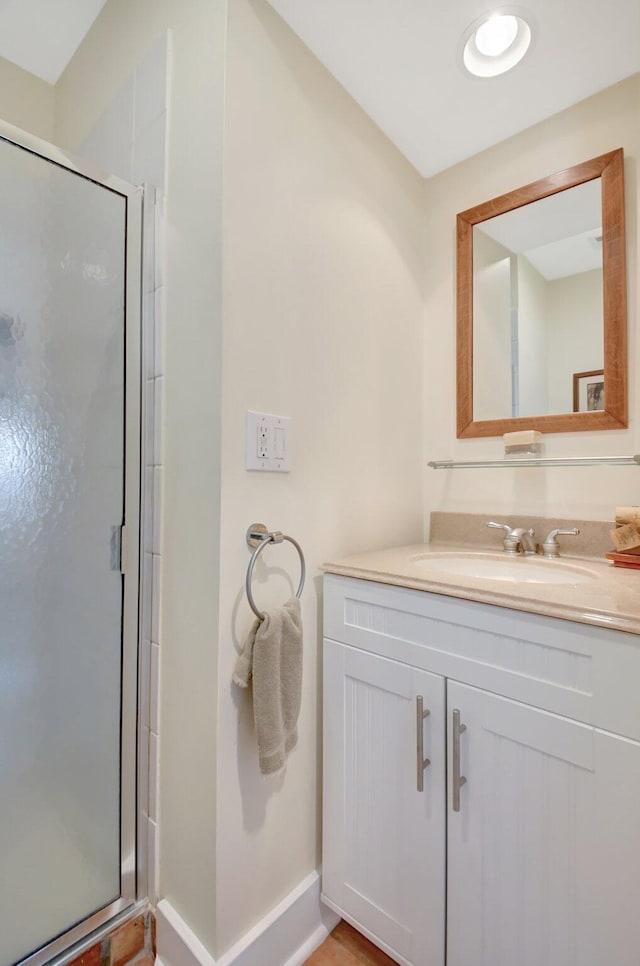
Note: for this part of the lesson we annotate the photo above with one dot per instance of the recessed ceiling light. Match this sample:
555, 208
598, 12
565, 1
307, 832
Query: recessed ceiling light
495, 44
496, 34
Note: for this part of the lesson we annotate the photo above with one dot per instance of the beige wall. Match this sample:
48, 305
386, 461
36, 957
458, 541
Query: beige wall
120, 37
574, 333
26, 101
322, 275
492, 331
532, 340
606, 121
322, 323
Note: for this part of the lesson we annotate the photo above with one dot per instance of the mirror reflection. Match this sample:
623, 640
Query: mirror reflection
538, 329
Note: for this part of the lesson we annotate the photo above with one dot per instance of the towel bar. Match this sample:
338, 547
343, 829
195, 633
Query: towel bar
257, 539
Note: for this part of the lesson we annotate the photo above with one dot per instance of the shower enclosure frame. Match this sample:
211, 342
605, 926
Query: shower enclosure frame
133, 876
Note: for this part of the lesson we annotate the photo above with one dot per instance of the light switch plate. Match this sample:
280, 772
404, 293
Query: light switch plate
268, 442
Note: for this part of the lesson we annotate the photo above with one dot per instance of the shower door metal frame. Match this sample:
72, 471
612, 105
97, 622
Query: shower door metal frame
132, 879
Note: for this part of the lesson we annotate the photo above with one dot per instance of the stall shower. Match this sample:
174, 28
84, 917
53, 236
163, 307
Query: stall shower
69, 522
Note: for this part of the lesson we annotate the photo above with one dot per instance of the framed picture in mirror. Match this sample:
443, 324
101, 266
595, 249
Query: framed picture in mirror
588, 391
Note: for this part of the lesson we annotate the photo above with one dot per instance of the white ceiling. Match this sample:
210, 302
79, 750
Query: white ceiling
401, 61
42, 36
557, 234
562, 215
568, 256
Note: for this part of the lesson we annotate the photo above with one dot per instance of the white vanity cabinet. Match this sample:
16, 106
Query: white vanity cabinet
385, 817
544, 854
540, 866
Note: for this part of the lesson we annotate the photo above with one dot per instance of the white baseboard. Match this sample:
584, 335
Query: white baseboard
285, 937
176, 943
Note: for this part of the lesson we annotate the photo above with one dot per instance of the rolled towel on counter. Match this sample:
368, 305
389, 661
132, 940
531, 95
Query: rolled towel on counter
271, 660
626, 538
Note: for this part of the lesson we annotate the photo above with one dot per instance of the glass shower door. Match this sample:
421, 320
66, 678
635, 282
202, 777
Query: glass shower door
65, 428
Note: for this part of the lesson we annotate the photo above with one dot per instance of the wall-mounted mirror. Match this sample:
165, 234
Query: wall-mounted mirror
541, 288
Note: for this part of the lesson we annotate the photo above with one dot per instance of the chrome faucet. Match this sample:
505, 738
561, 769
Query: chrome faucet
516, 539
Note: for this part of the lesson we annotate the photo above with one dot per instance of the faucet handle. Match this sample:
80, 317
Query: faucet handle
500, 526
511, 542
551, 547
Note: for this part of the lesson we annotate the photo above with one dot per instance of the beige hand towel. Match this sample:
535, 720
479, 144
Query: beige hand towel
272, 660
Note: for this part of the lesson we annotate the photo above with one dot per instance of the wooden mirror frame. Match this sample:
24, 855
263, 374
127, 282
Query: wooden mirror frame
610, 168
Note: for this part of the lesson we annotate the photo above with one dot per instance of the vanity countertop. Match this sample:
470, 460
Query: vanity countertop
608, 597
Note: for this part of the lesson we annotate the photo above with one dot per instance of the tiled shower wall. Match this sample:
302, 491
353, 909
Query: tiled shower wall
129, 141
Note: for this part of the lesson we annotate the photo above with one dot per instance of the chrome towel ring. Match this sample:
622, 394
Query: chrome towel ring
257, 539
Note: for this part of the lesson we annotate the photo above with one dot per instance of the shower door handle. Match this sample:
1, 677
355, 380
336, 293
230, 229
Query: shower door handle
118, 549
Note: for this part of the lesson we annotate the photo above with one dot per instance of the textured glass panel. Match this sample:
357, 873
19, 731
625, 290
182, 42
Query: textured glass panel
62, 251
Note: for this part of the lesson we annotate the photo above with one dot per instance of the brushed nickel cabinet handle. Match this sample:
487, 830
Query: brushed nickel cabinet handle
458, 779
421, 761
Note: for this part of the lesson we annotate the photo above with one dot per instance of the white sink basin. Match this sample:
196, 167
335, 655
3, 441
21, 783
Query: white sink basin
527, 570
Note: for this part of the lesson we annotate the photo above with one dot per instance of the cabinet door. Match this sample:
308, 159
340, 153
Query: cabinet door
384, 840
544, 854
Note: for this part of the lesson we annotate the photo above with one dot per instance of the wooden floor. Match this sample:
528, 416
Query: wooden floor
346, 947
